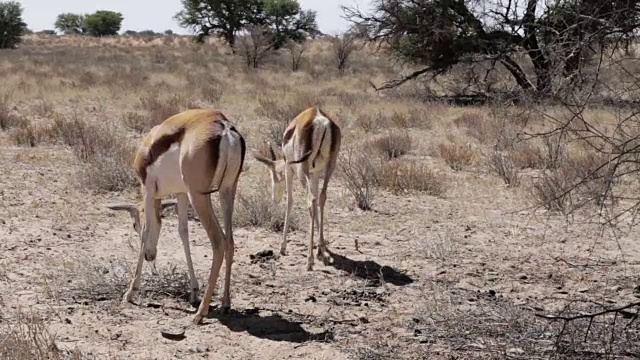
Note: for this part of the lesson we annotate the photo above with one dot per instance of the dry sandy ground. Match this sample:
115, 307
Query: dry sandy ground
422, 263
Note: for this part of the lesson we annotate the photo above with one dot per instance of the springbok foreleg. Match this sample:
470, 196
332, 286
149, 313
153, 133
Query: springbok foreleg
135, 282
183, 230
288, 181
151, 228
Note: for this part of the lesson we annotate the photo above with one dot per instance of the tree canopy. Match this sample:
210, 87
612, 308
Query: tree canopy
282, 20
69, 23
11, 25
556, 36
103, 23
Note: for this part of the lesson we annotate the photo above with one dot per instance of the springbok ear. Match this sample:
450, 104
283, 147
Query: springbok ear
169, 203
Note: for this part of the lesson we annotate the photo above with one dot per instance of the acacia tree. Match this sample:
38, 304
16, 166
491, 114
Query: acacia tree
103, 23
11, 25
287, 21
69, 23
283, 20
555, 36
222, 18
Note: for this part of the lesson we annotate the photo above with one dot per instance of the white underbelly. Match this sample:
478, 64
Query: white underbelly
166, 173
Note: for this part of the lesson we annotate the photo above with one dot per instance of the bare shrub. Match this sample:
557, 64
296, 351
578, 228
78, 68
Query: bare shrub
256, 46
401, 177
255, 208
358, 172
391, 145
274, 132
555, 150
343, 47
502, 165
457, 156
296, 51
28, 338
549, 191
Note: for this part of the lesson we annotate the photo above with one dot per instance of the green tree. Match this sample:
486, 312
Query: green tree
69, 23
11, 25
103, 23
222, 18
288, 21
556, 37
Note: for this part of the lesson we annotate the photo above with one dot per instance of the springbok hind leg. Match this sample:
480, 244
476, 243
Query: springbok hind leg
202, 206
227, 197
312, 192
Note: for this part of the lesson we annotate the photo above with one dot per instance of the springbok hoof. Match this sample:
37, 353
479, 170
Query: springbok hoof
127, 298
197, 319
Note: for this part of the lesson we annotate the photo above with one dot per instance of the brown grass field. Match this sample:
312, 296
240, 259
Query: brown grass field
452, 257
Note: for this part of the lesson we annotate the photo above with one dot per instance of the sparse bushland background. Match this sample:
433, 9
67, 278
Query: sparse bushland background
452, 224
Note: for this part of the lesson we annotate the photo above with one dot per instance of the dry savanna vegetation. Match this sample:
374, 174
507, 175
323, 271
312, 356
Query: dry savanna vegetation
451, 230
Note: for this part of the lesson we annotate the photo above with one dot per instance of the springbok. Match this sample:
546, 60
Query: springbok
314, 139
192, 154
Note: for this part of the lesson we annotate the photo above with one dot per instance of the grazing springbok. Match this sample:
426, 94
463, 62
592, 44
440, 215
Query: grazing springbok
314, 140
191, 154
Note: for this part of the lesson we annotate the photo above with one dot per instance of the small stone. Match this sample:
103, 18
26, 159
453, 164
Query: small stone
200, 349
311, 298
523, 277
492, 292
172, 334
364, 320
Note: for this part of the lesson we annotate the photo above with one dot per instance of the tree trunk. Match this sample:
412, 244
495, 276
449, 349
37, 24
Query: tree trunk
517, 73
540, 62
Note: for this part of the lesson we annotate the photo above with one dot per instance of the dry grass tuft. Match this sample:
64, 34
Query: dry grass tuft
28, 134
478, 126
402, 177
255, 208
391, 145
8, 119
28, 338
108, 155
457, 156
108, 282
277, 109
161, 106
